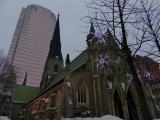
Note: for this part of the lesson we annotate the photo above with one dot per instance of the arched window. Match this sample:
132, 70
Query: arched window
82, 93
56, 68
118, 105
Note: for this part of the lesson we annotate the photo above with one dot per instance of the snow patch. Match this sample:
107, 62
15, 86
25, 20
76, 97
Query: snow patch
4, 118
52, 95
106, 117
70, 102
68, 84
123, 86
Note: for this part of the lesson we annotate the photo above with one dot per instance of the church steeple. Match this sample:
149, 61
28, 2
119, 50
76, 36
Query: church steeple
55, 46
54, 62
92, 30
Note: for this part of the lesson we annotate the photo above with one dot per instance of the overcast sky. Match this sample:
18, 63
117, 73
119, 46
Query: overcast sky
71, 27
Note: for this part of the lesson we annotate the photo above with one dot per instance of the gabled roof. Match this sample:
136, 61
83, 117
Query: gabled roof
23, 94
74, 65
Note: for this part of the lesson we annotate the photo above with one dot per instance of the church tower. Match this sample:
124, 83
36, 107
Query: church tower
54, 61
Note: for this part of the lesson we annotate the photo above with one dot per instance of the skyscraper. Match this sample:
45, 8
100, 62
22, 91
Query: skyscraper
30, 44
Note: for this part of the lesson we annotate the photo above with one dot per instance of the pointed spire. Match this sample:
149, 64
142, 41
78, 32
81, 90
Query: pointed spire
55, 45
25, 79
92, 30
67, 59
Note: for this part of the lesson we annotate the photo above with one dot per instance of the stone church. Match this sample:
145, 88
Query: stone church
92, 85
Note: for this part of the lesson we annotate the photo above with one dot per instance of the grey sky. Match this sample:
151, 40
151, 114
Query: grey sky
72, 39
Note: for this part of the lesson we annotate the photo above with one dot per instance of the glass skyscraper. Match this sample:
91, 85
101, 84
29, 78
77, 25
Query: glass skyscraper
30, 43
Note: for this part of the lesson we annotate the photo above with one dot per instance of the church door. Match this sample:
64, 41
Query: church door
118, 106
131, 107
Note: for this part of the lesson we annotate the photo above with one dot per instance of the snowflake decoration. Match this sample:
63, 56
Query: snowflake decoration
102, 61
131, 77
99, 34
147, 74
101, 40
138, 73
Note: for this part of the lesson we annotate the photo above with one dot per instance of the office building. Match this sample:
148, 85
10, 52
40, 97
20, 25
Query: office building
30, 44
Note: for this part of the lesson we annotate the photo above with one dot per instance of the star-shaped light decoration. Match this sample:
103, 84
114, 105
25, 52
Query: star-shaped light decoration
131, 77
99, 34
101, 61
147, 74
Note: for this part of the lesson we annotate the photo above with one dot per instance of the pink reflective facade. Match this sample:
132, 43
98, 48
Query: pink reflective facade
30, 44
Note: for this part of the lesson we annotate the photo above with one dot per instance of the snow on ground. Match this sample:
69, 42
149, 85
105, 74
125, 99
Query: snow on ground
4, 118
106, 117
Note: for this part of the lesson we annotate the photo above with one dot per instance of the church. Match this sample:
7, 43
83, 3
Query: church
92, 85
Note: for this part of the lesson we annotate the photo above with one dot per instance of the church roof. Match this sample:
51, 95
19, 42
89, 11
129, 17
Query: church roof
74, 65
23, 94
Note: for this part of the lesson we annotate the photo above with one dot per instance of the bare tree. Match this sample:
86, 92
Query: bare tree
120, 18
148, 21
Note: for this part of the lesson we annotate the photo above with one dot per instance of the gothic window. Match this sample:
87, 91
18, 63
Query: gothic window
82, 93
55, 68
